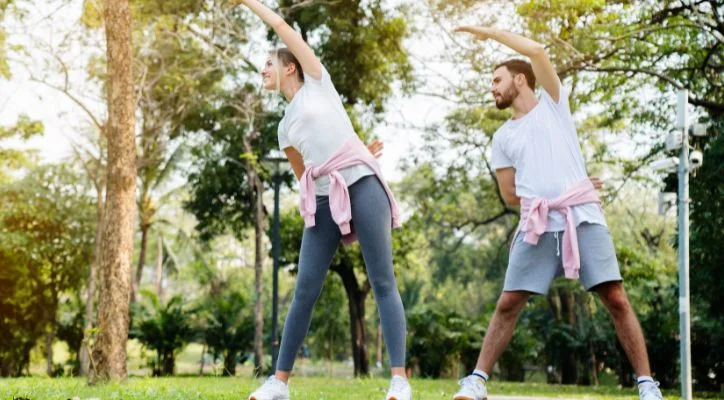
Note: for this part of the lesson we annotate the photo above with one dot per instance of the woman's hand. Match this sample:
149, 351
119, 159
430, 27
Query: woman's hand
481, 33
376, 148
597, 182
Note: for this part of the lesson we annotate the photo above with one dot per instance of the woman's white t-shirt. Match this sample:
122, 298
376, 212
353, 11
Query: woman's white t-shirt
543, 148
316, 124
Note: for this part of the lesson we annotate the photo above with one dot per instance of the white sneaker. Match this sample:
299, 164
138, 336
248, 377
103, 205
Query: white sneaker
471, 388
272, 389
399, 389
650, 391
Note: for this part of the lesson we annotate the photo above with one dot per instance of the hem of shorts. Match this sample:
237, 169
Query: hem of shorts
590, 288
533, 291
604, 224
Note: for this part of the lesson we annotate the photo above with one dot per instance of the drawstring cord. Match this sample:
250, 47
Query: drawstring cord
558, 244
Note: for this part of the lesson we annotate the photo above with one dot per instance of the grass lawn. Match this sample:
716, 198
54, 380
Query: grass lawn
302, 388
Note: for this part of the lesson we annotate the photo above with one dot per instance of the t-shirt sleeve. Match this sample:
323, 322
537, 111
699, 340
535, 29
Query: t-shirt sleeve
500, 158
324, 81
562, 104
282, 136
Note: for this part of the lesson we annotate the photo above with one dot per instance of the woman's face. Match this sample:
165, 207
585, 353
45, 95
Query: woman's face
269, 74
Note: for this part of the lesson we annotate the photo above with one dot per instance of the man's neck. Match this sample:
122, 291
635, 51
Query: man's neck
523, 104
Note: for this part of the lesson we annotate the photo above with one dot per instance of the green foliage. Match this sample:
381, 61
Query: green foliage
706, 259
227, 327
47, 225
361, 44
12, 159
163, 327
221, 198
71, 321
438, 340
329, 332
5, 6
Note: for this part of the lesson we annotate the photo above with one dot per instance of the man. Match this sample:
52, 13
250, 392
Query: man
539, 166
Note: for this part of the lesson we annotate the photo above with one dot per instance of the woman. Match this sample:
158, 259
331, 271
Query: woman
343, 197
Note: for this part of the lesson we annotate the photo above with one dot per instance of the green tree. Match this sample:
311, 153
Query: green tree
47, 224
164, 328
707, 214
13, 159
227, 327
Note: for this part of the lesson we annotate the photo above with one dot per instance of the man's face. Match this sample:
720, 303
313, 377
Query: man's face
503, 88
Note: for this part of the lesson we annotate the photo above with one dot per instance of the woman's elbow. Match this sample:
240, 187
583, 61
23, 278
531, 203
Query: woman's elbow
511, 199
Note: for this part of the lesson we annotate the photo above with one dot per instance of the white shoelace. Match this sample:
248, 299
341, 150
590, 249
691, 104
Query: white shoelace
274, 382
398, 385
472, 380
648, 387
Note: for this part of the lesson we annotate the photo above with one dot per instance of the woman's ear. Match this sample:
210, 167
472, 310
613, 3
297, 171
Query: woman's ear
290, 70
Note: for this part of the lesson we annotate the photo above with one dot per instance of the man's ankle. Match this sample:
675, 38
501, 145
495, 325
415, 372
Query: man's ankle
481, 374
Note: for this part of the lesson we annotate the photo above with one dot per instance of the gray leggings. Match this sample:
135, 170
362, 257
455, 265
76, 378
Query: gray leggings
372, 222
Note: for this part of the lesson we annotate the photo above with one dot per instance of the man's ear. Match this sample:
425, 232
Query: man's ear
520, 80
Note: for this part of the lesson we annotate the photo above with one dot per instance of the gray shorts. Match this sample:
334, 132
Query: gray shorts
533, 268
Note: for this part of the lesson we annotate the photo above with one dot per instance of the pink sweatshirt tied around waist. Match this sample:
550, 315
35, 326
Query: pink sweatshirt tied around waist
352, 153
534, 212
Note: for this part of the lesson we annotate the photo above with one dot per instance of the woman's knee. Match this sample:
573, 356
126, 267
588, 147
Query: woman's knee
305, 296
383, 286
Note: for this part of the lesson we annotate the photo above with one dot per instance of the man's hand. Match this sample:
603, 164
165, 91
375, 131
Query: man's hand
376, 148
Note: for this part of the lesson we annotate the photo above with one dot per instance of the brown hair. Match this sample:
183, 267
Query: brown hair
516, 66
286, 57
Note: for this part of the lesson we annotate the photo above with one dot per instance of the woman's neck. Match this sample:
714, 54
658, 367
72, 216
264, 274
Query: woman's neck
290, 88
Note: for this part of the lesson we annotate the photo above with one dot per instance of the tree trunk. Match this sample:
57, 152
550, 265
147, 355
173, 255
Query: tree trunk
569, 369
159, 270
109, 352
141, 262
49, 351
229, 364
356, 303
99, 184
594, 368
169, 364
256, 186
83, 354
50, 335
202, 362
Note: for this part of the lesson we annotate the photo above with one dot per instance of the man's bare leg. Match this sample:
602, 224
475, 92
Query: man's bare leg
501, 328
628, 329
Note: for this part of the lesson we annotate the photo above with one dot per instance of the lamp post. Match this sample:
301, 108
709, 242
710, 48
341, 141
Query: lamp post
683, 165
277, 179
684, 309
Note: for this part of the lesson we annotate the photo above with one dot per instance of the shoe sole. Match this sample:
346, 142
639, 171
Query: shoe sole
254, 398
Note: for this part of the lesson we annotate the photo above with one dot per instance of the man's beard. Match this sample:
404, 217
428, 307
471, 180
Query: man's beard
506, 99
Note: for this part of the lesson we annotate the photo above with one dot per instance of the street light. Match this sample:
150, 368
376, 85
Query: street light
279, 172
683, 165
